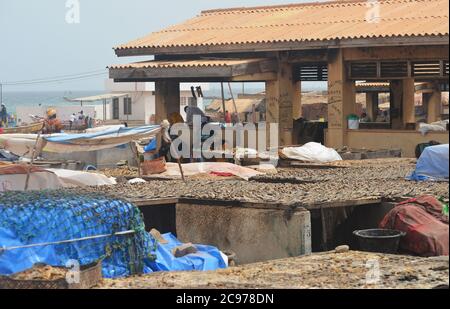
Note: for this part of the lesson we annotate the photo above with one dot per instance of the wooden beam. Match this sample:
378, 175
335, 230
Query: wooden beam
252, 71
170, 73
397, 53
286, 46
308, 56
257, 77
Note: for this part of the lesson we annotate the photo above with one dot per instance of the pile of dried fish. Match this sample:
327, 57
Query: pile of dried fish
41, 272
325, 270
120, 171
258, 192
371, 170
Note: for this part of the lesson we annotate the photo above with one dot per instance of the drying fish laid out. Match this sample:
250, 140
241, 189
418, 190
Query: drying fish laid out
260, 192
344, 270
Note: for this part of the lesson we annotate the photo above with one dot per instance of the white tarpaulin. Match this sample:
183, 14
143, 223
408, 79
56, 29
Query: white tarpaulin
19, 144
312, 152
13, 178
37, 181
71, 178
438, 126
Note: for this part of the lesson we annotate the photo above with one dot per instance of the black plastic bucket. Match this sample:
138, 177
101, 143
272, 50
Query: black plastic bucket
379, 240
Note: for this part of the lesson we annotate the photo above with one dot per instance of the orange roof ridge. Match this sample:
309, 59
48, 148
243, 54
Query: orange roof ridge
299, 5
440, 15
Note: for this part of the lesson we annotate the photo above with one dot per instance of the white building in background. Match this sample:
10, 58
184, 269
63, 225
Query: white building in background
122, 102
137, 101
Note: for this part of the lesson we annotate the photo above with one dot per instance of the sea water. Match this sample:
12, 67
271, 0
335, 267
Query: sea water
43, 98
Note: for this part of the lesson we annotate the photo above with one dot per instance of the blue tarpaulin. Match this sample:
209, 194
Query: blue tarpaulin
432, 165
207, 257
108, 138
53, 227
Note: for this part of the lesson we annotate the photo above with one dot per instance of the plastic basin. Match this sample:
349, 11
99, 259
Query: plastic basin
379, 240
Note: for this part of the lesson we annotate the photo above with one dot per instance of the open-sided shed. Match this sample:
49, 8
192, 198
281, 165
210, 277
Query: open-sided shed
397, 42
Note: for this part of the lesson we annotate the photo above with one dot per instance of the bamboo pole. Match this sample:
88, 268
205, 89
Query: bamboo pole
30, 166
181, 169
223, 102
234, 102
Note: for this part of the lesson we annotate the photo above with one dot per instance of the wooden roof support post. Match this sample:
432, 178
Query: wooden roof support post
434, 104
297, 103
372, 105
341, 99
280, 97
167, 99
396, 97
409, 108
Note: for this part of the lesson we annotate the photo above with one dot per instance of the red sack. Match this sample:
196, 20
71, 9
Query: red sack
425, 226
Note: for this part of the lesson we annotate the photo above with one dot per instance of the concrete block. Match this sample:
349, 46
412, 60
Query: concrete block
255, 235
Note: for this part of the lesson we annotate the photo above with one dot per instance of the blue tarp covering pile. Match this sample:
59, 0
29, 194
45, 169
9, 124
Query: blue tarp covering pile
109, 132
108, 138
42, 218
432, 165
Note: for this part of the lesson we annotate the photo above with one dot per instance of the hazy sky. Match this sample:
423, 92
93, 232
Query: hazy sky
37, 42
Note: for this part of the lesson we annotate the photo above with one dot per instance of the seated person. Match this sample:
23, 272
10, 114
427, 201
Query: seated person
192, 111
365, 118
175, 118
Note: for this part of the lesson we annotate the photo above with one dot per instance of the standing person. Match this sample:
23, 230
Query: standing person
166, 141
81, 116
3, 116
73, 118
227, 117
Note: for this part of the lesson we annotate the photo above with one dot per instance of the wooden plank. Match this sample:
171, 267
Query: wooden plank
154, 202
257, 205
298, 164
347, 203
257, 77
397, 53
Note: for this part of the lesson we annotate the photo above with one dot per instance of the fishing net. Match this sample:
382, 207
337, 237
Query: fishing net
86, 227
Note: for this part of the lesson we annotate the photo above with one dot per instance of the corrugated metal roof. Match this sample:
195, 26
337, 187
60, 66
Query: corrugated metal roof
184, 63
324, 21
100, 97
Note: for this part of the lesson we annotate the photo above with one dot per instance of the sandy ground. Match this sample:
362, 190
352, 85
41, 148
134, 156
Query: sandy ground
351, 270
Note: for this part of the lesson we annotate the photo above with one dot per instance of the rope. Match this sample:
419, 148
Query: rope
2, 249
